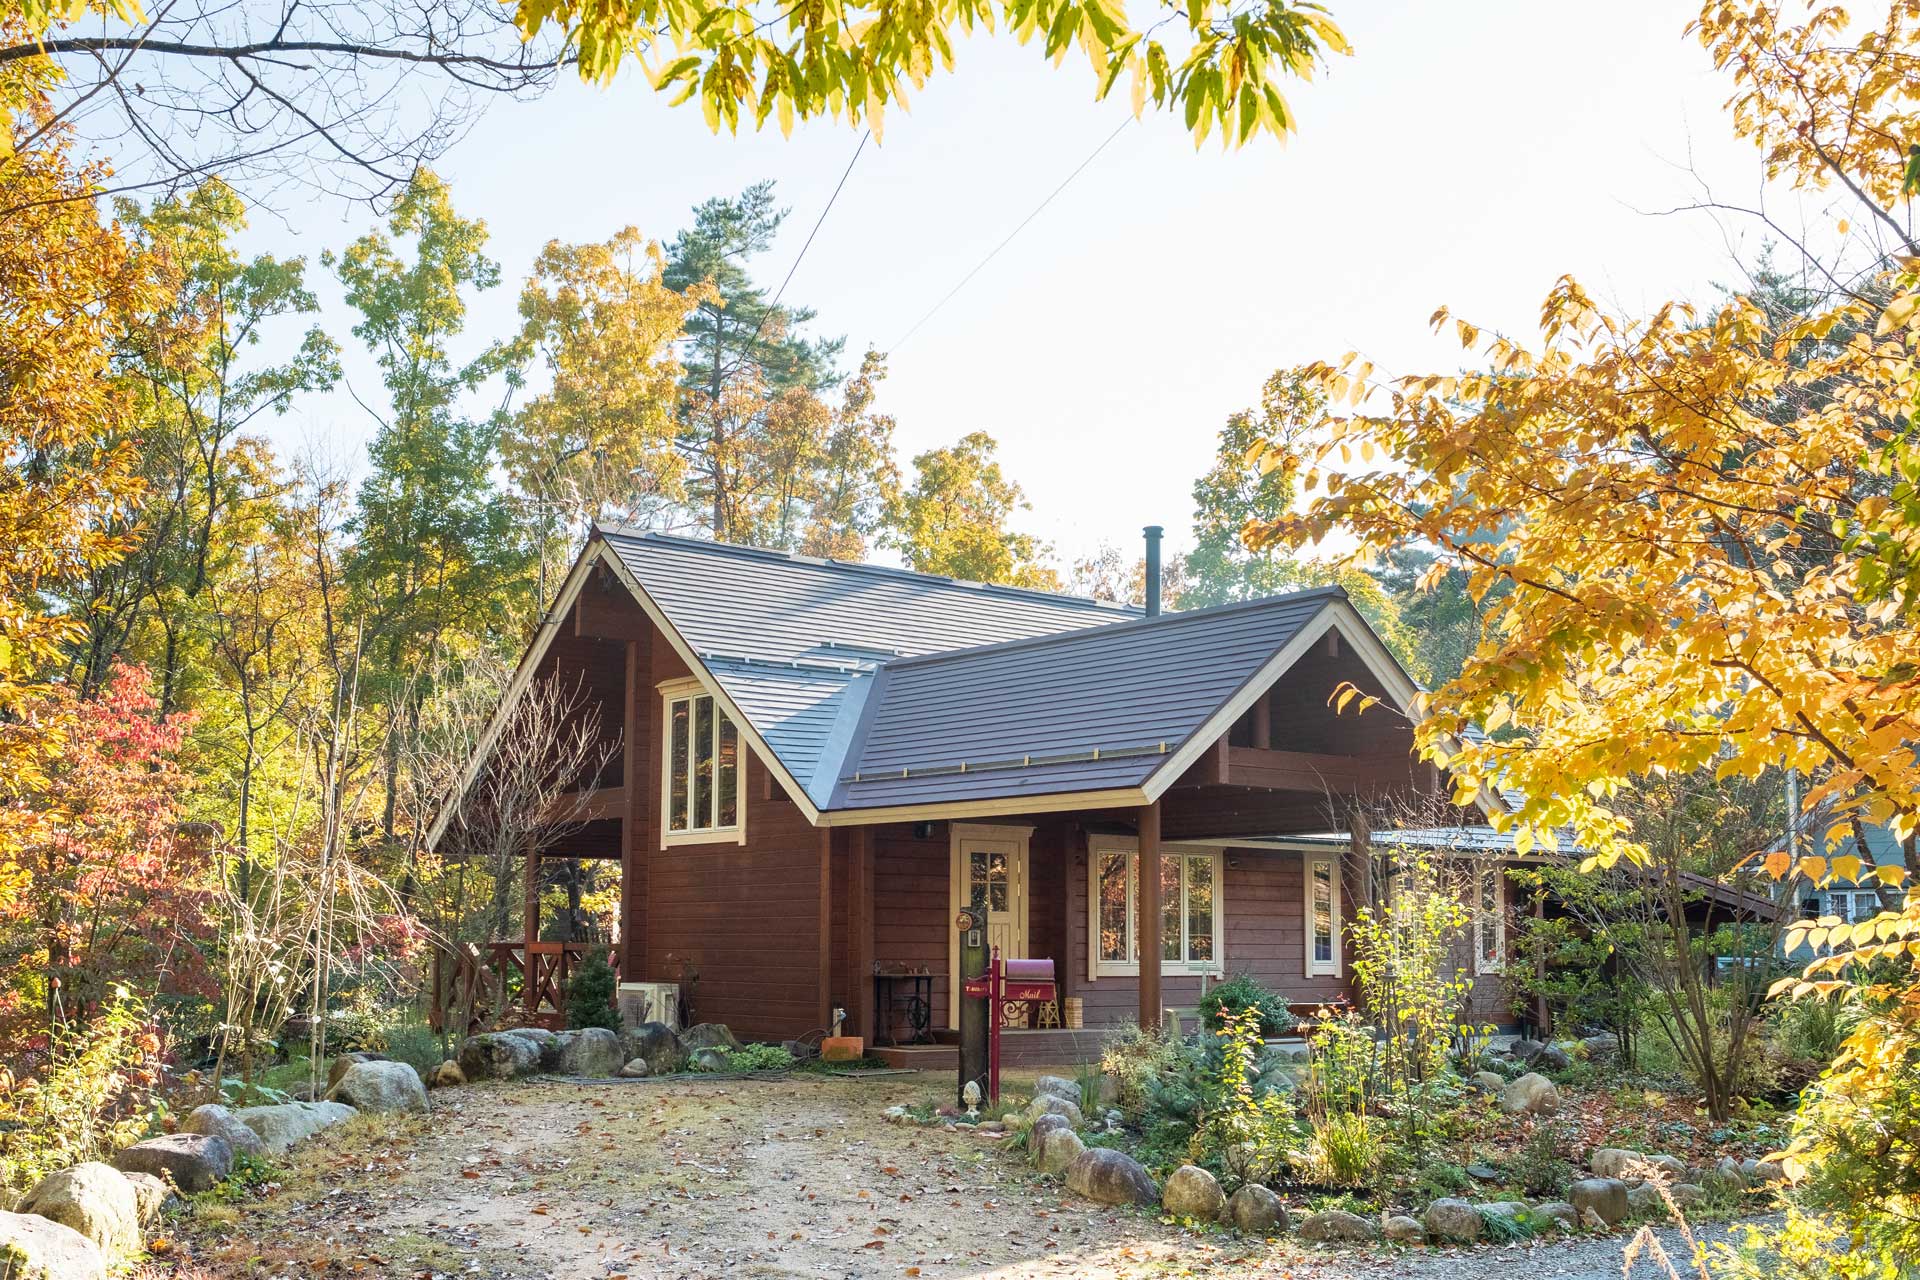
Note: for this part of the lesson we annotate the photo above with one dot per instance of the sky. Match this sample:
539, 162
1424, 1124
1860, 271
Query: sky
1465, 154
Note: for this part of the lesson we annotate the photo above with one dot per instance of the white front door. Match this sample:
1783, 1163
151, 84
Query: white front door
990, 877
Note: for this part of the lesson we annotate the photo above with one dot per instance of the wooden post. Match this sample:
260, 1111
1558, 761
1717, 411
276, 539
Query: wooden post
1147, 926
632, 963
1359, 874
1263, 722
530, 931
825, 1005
860, 932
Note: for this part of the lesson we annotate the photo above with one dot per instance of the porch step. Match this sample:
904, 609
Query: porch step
1049, 1048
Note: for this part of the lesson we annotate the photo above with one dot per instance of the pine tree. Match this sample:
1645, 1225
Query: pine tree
590, 994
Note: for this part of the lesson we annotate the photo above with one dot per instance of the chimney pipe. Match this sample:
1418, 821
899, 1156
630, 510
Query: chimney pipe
1153, 570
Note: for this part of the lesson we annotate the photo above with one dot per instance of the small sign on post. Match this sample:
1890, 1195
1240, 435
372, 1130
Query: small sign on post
974, 1012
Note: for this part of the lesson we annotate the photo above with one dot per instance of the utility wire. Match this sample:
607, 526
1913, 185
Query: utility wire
819, 222
1037, 210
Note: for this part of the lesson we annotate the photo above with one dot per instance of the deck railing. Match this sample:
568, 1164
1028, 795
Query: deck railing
483, 984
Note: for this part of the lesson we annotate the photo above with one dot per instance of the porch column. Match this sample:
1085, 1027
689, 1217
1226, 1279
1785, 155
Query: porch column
826, 929
530, 929
1147, 924
860, 931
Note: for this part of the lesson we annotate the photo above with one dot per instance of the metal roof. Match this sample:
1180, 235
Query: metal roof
1082, 711
793, 639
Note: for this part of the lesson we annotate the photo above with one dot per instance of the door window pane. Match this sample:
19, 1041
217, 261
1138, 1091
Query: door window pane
1199, 909
1114, 943
1322, 912
997, 883
977, 880
677, 819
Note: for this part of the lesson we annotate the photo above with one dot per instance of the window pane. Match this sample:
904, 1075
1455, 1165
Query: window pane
1200, 909
1170, 907
677, 768
1322, 912
997, 883
1489, 914
729, 774
703, 762
1113, 907
977, 880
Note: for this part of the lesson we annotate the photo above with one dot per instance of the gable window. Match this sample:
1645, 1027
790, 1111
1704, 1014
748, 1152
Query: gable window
1321, 900
700, 797
1189, 929
1489, 920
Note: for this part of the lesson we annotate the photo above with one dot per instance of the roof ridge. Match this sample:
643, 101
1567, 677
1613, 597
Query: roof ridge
1210, 612
860, 566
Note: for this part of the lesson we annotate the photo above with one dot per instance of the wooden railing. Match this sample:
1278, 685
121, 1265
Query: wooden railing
476, 980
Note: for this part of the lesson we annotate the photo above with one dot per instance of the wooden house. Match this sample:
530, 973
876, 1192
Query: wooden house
815, 765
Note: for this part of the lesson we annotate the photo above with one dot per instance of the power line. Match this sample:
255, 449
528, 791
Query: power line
1037, 210
818, 222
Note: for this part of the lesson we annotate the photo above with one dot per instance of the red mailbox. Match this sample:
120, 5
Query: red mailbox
1007, 982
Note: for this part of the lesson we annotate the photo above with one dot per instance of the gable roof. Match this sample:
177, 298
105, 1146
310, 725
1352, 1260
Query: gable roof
793, 639
1087, 710
873, 692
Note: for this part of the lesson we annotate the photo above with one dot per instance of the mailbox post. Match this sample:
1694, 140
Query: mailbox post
974, 1010
1005, 982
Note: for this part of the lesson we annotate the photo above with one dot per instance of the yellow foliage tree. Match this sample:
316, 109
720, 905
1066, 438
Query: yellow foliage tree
1704, 521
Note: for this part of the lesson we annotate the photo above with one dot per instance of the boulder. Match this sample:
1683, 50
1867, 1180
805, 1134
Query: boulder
447, 1075
1256, 1211
1058, 1149
655, 1044
1526, 1050
381, 1086
150, 1195
1532, 1093
1059, 1087
281, 1126
1764, 1171
1191, 1192
194, 1161
1043, 1125
1336, 1225
1046, 1104
1616, 1162
1453, 1221
591, 1051
1106, 1176
1401, 1229
636, 1070
547, 1042
1603, 1047
1607, 1197
709, 1035
1510, 1211
1687, 1194
1488, 1082
1643, 1200
1559, 1213
1249, 1162
94, 1199
346, 1062
708, 1059
1553, 1058
499, 1055
1592, 1221
37, 1248
214, 1119
1668, 1165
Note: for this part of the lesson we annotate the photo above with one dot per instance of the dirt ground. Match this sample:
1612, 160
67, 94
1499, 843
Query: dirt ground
749, 1178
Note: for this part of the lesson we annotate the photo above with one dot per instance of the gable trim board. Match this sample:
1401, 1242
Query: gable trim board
853, 718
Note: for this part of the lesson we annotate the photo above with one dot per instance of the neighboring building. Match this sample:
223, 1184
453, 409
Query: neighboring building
1848, 900
818, 765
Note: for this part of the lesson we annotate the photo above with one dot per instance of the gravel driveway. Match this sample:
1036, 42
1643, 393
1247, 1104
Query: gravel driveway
688, 1178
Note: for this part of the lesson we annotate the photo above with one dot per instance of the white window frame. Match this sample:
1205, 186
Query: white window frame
1315, 967
672, 691
1482, 965
1098, 968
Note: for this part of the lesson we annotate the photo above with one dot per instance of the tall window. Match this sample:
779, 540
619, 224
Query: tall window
1322, 902
1489, 920
1190, 909
700, 791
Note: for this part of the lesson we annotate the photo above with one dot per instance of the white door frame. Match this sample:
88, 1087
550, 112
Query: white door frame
961, 837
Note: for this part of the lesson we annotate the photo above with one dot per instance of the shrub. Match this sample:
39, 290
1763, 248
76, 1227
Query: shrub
1137, 1059
1541, 1166
1244, 991
590, 994
759, 1057
92, 1095
1253, 1133
1346, 1151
